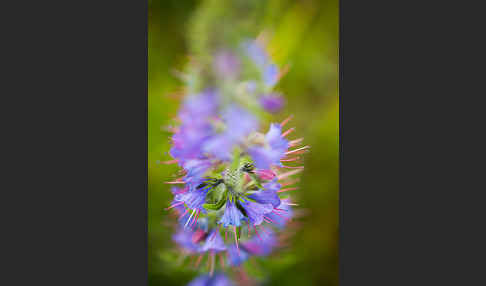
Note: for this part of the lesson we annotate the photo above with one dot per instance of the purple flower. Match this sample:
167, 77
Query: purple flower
232, 215
269, 194
275, 149
195, 170
213, 243
281, 215
262, 244
271, 102
218, 279
195, 128
184, 239
194, 199
256, 53
236, 257
226, 64
270, 75
261, 59
239, 123
256, 211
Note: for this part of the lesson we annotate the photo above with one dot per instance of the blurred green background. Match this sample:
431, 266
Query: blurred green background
305, 35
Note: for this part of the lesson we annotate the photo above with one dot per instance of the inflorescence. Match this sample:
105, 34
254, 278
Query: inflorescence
232, 195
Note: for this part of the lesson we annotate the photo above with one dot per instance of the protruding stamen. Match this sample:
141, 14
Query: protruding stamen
221, 260
293, 167
290, 183
290, 173
263, 229
256, 231
175, 182
296, 142
189, 219
287, 189
187, 210
174, 205
236, 240
169, 162
288, 132
290, 159
289, 204
249, 231
280, 215
199, 260
269, 219
211, 271
283, 72
286, 120
194, 223
296, 150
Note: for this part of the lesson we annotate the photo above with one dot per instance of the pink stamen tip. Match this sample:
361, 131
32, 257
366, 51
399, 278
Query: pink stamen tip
280, 215
175, 182
296, 142
169, 162
269, 219
187, 210
296, 150
293, 167
221, 259
287, 189
290, 183
174, 205
288, 132
199, 260
290, 173
286, 120
256, 231
212, 264
236, 240
290, 159
263, 229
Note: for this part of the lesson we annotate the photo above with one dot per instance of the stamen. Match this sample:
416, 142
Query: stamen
289, 204
296, 150
283, 72
256, 231
293, 167
295, 142
221, 259
263, 229
290, 159
175, 182
290, 173
288, 132
286, 120
236, 240
280, 215
169, 162
290, 183
212, 264
194, 223
187, 210
269, 219
174, 205
287, 189
188, 220
199, 260
248, 224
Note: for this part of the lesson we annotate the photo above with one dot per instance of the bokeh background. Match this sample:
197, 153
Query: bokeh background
305, 35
